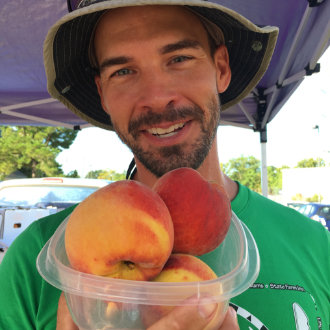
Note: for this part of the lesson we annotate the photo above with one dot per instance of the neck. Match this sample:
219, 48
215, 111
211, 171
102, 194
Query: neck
210, 170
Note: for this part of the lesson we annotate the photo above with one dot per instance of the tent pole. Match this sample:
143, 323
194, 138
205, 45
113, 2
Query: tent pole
264, 175
261, 110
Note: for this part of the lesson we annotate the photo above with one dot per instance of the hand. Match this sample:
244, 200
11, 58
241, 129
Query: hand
197, 318
184, 317
64, 320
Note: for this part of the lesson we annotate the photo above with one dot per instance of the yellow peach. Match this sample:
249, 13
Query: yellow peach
123, 230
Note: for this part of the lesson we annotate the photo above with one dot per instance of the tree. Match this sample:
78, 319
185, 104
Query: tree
318, 162
33, 150
246, 170
314, 198
93, 174
274, 179
107, 175
72, 174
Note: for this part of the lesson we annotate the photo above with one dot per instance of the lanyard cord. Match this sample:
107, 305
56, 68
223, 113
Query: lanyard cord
131, 170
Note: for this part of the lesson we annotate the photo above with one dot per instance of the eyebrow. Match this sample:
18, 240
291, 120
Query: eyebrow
114, 61
182, 44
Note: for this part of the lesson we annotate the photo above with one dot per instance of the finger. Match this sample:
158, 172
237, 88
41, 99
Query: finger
192, 317
230, 321
64, 320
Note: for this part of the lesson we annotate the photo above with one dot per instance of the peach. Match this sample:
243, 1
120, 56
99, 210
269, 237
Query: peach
200, 210
123, 230
185, 268
179, 268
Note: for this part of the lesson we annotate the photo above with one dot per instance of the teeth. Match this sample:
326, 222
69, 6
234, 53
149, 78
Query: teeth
165, 131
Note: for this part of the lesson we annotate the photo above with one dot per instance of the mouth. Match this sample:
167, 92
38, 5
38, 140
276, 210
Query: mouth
165, 132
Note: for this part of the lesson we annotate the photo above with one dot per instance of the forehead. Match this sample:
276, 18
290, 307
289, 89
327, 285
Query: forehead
132, 23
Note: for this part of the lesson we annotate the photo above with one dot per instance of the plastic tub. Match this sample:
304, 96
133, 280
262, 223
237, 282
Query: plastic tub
97, 302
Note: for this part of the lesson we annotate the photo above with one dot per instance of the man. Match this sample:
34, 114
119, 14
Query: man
153, 74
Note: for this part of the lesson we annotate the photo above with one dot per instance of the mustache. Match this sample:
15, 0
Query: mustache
171, 113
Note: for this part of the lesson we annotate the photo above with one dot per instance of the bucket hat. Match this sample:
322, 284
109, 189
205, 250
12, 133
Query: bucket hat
70, 77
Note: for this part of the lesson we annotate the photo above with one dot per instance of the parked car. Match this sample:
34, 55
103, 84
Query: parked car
23, 201
295, 205
47, 192
317, 211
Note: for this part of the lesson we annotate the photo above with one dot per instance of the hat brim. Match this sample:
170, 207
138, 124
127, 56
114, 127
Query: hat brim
71, 80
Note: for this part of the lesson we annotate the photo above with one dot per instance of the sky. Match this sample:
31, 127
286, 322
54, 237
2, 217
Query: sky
292, 135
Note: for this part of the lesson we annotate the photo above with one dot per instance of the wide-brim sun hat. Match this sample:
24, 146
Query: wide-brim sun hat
70, 76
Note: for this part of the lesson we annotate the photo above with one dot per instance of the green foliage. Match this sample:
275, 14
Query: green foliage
298, 197
247, 171
72, 174
315, 198
107, 175
33, 150
318, 162
93, 174
274, 180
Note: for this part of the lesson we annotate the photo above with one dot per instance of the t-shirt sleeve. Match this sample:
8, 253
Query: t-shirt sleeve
19, 295
27, 301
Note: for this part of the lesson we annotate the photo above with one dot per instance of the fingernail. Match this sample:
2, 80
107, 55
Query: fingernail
206, 309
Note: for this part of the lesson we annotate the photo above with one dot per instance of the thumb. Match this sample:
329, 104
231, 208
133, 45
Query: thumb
205, 315
230, 321
64, 320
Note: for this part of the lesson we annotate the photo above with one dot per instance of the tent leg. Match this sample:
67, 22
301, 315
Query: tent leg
264, 176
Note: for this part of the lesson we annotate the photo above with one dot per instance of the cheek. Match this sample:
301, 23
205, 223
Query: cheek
117, 106
201, 82
204, 92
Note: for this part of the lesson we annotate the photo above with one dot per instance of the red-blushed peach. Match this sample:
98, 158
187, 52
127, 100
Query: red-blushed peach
179, 268
123, 230
200, 210
182, 267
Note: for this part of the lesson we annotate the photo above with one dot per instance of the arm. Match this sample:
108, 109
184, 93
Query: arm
17, 294
26, 300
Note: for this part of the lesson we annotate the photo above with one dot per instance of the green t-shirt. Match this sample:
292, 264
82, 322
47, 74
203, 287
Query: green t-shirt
291, 292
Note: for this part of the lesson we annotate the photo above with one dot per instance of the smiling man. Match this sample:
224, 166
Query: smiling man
159, 73
152, 100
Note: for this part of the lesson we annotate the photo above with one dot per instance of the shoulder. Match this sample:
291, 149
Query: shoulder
259, 207
21, 281
294, 261
271, 222
34, 237
45, 227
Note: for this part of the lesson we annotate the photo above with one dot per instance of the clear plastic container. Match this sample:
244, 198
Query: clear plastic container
97, 302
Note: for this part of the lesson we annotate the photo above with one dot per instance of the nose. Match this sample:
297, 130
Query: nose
157, 91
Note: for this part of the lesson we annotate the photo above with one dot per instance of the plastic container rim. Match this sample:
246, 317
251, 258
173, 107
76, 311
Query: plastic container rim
48, 256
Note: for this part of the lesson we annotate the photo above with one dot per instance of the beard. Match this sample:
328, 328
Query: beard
188, 154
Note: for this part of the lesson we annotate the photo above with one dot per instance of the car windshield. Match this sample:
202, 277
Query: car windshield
306, 209
324, 212
31, 195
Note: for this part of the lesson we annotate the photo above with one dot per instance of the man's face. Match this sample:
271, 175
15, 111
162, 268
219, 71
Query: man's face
158, 83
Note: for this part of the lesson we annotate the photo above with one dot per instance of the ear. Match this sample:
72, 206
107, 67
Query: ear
98, 83
221, 61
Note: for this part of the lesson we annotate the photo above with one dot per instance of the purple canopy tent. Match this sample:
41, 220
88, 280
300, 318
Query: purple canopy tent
303, 38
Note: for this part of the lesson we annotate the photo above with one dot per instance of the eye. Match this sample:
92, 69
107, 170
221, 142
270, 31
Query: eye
122, 72
181, 58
